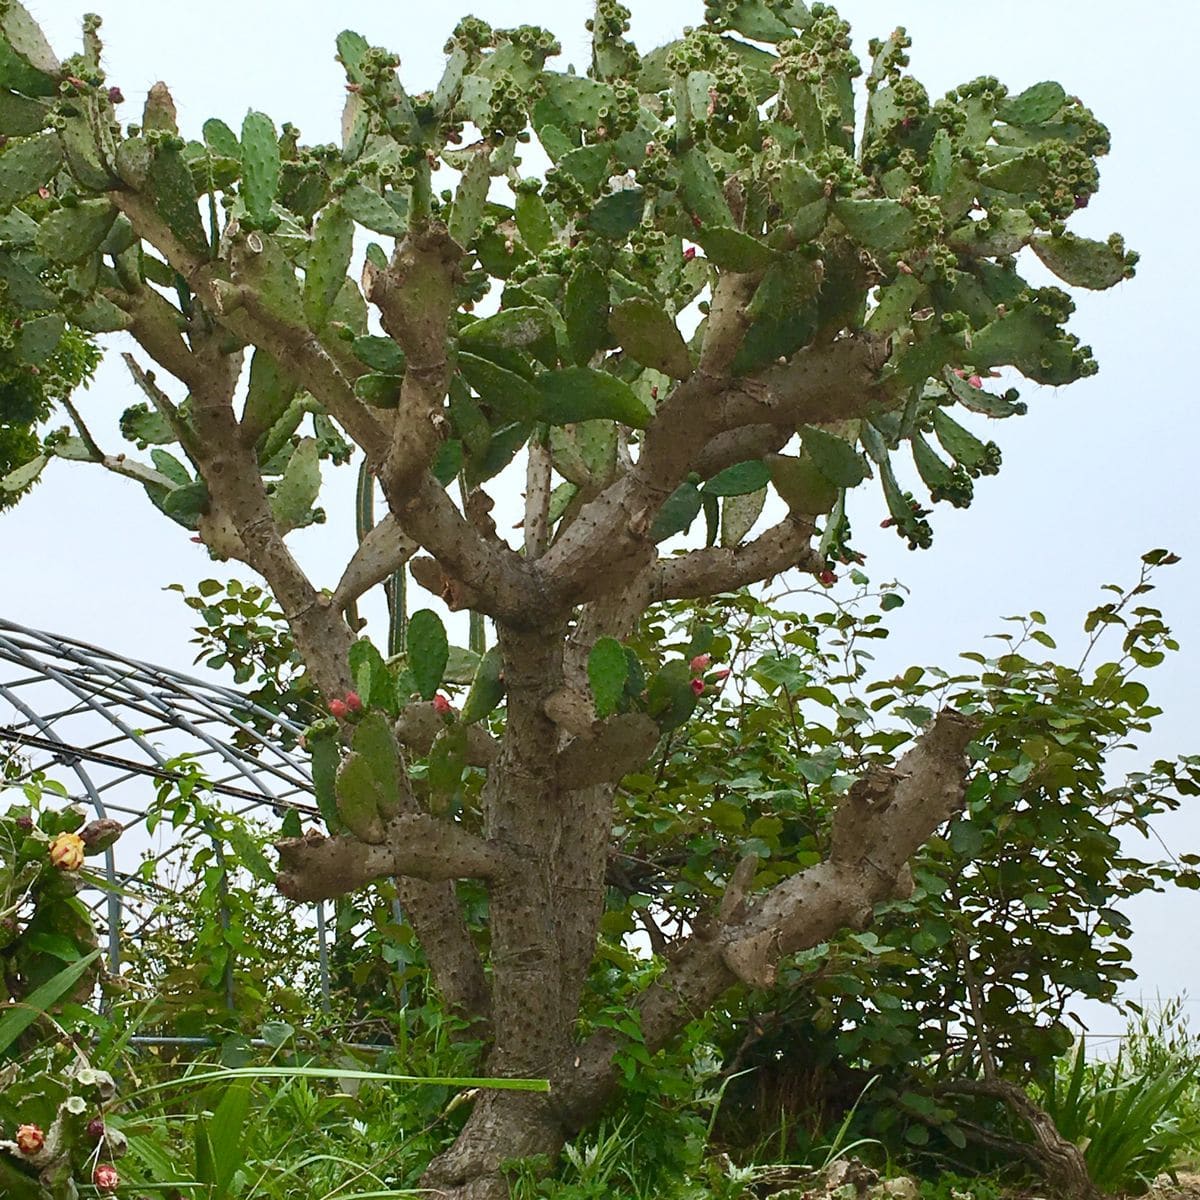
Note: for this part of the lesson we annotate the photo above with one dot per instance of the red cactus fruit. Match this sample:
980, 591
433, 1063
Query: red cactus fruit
105, 1177
30, 1139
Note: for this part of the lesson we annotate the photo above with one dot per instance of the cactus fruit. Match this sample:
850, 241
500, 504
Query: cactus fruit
66, 852
30, 1139
105, 1177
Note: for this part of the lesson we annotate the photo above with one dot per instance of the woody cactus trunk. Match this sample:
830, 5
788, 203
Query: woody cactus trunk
721, 289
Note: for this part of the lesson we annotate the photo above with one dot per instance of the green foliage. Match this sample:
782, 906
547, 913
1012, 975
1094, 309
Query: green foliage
1039, 916
1134, 1120
751, 153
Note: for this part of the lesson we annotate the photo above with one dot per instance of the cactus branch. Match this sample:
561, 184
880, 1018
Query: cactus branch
383, 550
315, 867
608, 542
720, 569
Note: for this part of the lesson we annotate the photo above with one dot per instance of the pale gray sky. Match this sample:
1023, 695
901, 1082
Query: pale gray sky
1093, 476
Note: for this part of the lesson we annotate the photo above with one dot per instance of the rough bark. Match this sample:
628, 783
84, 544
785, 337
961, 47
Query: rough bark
543, 845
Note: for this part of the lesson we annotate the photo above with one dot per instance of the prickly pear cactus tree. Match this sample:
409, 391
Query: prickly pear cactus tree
722, 286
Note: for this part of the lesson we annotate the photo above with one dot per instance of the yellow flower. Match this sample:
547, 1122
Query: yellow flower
66, 852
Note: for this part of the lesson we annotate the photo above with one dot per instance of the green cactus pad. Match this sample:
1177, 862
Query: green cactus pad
506, 392
271, 273
669, 696
325, 760
533, 222
582, 394
26, 39
379, 390
297, 491
447, 760
269, 393
379, 353
260, 169
221, 139
585, 311
39, 338
327, 263
836, 459
428, 651
1086, 263
173, 191
742, 479
585, 453
738, 514
487, 688
27, 165
607, 670
732, 250
375, 742
99, 315
650, 335
677, 513
21, 115
186, 503
617, 215
374, 212
507, 329
470, 200
359, 799
71, 234
879, 225
1005, 232
801, 484
169, 466
1034, 106
373, 678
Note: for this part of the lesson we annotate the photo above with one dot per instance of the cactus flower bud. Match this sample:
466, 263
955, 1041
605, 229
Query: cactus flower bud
99, 835
105, 1177
115, 96
698, 687
338, 709
442, 705
975, 381
354, 702
24, 822
95, 1128
30, 1139
66, 852
700, 662
689, 254
721, 675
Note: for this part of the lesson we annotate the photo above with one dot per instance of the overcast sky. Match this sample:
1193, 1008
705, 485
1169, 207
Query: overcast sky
1093, 476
